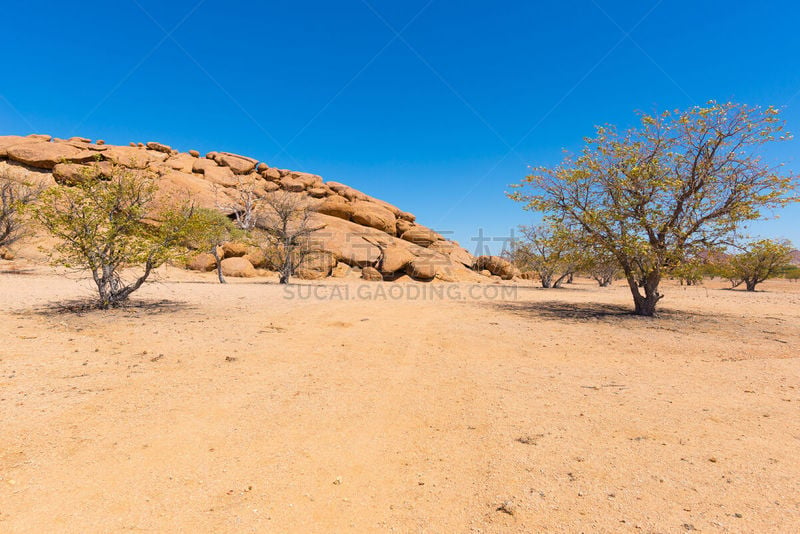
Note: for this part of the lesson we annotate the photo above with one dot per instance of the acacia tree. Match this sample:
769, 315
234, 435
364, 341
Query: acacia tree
107, 226
14, 196
601, 265
211, 230
758, 261
549, 250
678, 182
286, 219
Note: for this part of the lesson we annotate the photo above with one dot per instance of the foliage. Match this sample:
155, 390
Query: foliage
287, 222
791, 272
600, 264
679, 182
211, 229
758, 261
106, 226
550, 250
14, 196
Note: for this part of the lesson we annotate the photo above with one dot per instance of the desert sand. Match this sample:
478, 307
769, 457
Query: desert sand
210, 408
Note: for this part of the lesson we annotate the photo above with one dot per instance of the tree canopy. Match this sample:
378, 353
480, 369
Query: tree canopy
679, 181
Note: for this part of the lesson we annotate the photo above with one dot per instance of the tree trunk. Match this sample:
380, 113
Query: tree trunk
645, 305
560, 280
750, 285
215, 253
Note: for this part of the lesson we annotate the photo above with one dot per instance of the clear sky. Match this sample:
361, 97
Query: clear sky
435, 106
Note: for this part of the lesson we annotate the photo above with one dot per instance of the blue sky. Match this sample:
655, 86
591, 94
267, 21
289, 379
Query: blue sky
434, 106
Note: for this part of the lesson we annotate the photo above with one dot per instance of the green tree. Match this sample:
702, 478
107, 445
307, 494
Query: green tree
600, 264
549, 250
679, 182
111, 226
758, 261
211, 229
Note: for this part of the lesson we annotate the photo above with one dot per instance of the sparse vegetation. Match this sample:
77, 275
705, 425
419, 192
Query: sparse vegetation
600, 265
680, 182
757, 262
245, 204
14, 196
211, 230
286, 220
549, 250
107, 226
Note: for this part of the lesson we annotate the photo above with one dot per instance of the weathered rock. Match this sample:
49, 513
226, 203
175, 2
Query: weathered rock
135, 158
486, 272
100, 142
271, 174
321, 260
204, 263
234, 250
159, 147
395, 258
374, 216
270, 187
455, 252
346, 240
403, 226
238, 267
80, 145
406, 216
202, 165
257, 257
528, 275
77, 139
6, 254
238, 164
309, 274
176, 188
261, 167
319, 192
292, 185
422, 269
307, 179
180, 162
496, 265
341, 270
41, 137
336, 206
7, 141
371, 274
194, 153
214, 173
346, 191
421, 235
45, 155
75, 173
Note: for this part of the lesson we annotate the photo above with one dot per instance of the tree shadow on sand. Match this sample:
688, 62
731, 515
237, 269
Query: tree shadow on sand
594, 311
85, 306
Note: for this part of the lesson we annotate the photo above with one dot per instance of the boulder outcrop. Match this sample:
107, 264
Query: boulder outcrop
360, 233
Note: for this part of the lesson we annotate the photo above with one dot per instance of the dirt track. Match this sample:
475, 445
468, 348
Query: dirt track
234, 409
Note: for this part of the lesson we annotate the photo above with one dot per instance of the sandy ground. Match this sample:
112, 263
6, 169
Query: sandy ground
233, 408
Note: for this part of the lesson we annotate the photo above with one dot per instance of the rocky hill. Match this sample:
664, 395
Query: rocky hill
361, 233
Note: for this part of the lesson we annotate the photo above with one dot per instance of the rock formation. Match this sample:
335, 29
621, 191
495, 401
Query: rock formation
360, 231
